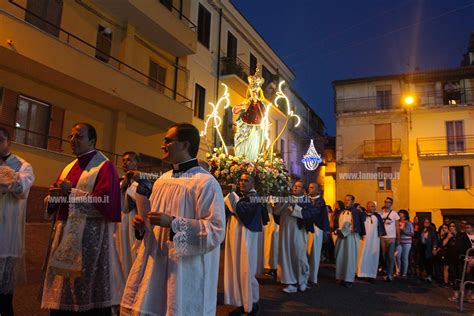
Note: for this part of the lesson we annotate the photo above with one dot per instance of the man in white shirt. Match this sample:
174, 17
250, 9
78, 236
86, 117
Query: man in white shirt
16, 179
388, 242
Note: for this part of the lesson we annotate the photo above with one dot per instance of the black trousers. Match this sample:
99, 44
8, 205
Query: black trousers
93, 312
6, 304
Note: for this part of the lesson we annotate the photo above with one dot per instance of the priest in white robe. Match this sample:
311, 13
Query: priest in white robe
296, 219
347, 224
177, 266
369, 249
240, 266
321, 226
133, 186
83, 273
16, 179
271, 239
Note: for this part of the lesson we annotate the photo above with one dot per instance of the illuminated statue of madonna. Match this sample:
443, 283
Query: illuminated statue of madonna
250, 134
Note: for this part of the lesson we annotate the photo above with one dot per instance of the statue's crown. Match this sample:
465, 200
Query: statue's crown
256, 80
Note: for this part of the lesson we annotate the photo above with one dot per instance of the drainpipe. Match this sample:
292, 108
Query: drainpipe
175, 83
218, 56
218, 68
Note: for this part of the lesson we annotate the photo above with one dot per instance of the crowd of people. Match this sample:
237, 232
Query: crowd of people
132, 247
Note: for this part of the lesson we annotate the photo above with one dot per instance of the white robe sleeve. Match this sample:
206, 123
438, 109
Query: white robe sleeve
201, 235
23, 181
231, 201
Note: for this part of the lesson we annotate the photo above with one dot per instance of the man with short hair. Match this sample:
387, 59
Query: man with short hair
348, 227
321, 226
16, 179
388, 242
240, 266
177, 267
369, 250
83, 272
296, 220
134, 189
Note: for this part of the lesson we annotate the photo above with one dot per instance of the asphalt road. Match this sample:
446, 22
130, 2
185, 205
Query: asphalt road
401, 297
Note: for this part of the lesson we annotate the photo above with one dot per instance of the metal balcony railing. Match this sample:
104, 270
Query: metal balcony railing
178, 13
92, 50
463, 96
60, 145
445, 146
382, 148
235, 66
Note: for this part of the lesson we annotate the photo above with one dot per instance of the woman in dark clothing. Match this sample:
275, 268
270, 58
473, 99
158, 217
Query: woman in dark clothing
428, 243
451, 256
440, 254
414, 266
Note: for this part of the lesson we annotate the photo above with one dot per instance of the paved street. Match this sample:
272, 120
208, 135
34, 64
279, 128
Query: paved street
407, 297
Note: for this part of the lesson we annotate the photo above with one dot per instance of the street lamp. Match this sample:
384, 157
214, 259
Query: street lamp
409, 100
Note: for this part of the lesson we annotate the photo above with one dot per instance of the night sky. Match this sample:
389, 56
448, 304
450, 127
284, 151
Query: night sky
322, 41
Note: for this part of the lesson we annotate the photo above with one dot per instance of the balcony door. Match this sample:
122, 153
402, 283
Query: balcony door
455, 136
231, 47
383, 139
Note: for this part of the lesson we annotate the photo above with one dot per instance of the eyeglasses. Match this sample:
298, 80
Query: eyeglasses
167, 140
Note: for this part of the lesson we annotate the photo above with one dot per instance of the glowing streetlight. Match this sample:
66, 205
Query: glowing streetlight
409, 100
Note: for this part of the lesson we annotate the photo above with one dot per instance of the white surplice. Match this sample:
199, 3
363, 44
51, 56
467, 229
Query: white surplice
369, 249
240, 264
12, 221
315, 254
270, 242
293, 266
346, 250
179, 277
126, 241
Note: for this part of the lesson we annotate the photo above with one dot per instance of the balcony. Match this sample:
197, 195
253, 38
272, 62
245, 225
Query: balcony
234, 73
383, 148
460, 96
68, 63
445, 146
160, 22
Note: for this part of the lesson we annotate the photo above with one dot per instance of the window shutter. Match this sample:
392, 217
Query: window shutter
467, 177
8, 110
153, 73
55, 141
445, 178
54, 13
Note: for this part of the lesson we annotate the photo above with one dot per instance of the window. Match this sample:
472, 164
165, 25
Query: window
227, 126
267, 75
103, 44
231, 46
253, 64
455, 136
204, 26
426, 93
199, 101
456, 177
32, 122
384, 181
158, 77
384, 97
451, 92
282, 147
1, 94
167, 3
40, 12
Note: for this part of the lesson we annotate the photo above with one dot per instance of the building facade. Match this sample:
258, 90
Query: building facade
130, 68
409, 137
